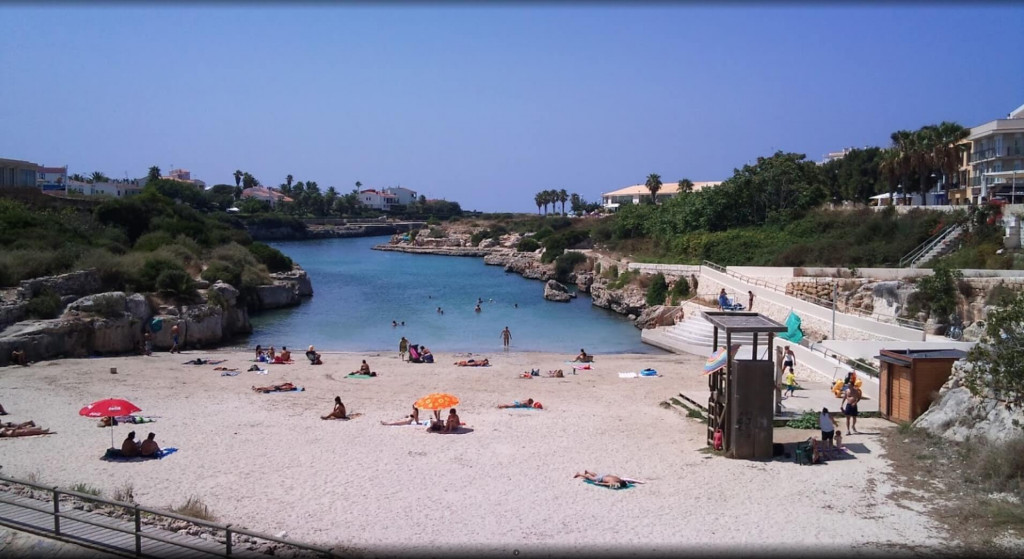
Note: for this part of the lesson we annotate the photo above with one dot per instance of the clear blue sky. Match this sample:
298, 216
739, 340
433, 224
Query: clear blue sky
488, 105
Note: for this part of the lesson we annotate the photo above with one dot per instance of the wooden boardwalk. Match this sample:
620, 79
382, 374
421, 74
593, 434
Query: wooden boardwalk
38, 519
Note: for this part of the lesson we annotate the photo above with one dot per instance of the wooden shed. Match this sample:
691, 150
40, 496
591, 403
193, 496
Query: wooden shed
908, 379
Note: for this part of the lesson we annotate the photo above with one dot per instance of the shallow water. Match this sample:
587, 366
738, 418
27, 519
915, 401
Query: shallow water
358, 292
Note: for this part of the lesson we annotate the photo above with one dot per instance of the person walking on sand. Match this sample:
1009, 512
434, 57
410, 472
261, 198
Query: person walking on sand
788, 359
853, 396
403, 348
174, 338
506, 337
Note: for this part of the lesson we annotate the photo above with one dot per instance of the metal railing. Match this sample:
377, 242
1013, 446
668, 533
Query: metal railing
137, 511
905, 322
922, 249
841, 359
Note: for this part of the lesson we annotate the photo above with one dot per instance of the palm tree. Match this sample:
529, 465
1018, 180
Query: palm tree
550, 197
538, 199
686, 185
948, 151
249, 181
563, 197
288, 180
238, 177
77, 177
654, 185
358, 185
99, 177
889, 169
154, 173
924, 141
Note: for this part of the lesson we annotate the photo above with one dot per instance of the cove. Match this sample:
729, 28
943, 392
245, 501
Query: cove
359, 291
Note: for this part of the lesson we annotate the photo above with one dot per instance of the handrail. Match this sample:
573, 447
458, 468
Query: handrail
905, 322
842, 358
913, 256
920, 248
228, 529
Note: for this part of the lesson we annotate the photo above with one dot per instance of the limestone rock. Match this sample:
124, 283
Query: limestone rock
111, 304
298, 278
277, 295
658, 315
959, 415
628, 300
80, 283
554, 291
138, 307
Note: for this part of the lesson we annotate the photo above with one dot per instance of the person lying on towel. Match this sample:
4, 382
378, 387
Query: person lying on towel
473, 363
603, 479
411, 419
26, 429
528, 403
285, 387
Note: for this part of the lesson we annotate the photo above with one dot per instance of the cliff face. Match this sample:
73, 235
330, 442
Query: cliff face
959, 415
113, 322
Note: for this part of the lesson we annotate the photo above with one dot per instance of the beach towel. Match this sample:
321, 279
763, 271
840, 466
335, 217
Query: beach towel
592, 482
230, 373
584, 367
114, 455
648, 373
350, 416
793, 332
628, 375
359, 376
136, 419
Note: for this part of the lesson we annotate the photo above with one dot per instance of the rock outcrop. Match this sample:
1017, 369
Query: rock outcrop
287, 290
629, 300
959, 415
554, 291
658, 315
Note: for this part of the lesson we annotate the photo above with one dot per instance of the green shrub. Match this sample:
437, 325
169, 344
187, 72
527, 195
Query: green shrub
223, 271
177, 283
152, 268
543, 233
152, 241
566, 263
680, 290
1000, 296
108, 306
196, 508
809, 420
475, 238
214, 298
432, 220
87, 489
527, 244
273, 259
413, 233
597, 267
657, 291
624, 279
938, 291
436, 233
46, 304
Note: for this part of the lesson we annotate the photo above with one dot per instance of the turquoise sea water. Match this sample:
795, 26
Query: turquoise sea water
359, 291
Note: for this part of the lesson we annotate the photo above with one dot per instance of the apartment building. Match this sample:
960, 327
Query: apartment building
114, 189
378, 200
639, 193
184, 175
403, 196
15, 172
993, 162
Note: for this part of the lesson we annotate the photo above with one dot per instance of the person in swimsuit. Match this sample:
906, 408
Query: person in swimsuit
285, 387
411, 419
338, 412
517, 404
788, 360
853, 395
603, 479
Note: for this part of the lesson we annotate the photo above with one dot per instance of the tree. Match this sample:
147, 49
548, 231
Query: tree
948, 150
997, 362
330, 199
77, 177
538, 199
99, 177
685, 185
358, 185
238, 177
249, 181
288, 181
938, 291
576, 203
563, 197
654, 185
154, 173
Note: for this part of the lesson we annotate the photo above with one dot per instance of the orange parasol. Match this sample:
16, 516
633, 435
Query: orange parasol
437, 401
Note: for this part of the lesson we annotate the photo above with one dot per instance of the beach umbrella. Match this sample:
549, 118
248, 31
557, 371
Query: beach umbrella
111, 407
718, 359
437, 401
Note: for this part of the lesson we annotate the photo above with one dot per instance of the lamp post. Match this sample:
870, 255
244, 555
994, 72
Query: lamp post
835, 297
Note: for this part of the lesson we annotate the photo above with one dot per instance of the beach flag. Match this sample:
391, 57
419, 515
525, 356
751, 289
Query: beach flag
793, 333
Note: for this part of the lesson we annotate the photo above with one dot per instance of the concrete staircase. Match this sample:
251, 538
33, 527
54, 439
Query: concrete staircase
937, 247
693, 335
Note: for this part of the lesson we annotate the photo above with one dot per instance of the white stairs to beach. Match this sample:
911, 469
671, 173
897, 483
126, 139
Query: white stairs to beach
696, 335
938, 248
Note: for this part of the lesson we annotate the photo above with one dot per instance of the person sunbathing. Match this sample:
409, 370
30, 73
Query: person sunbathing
411, 419
517, 404
603, 479
286, 356
285, 387
556, 374
473, 363
583, 357
313, 356
364, 369
22, 425
149, 446
271, 354
339, 410
23, 431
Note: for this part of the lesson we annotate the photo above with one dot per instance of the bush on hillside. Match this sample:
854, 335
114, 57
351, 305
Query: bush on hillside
527, 244
566, 264
176, 283
657, 291
273, 259
46, 304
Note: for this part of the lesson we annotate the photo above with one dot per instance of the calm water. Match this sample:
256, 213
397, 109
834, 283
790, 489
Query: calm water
359, 291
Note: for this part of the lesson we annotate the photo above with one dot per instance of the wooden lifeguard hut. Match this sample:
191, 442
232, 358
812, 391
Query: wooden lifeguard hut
742, 397
909, 377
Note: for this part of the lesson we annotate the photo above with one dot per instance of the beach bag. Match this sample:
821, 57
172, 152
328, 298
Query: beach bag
717, 439
428, 358
414, 353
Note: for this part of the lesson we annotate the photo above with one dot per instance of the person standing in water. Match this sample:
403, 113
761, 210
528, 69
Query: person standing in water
506, 337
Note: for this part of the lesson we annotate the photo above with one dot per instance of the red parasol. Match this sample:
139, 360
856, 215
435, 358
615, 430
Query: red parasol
111, 407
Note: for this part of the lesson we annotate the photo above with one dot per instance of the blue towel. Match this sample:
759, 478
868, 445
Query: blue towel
114, 455
592, 482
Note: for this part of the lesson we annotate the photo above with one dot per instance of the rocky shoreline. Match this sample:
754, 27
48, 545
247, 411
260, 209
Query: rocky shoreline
629, 300
330, 231
94, 322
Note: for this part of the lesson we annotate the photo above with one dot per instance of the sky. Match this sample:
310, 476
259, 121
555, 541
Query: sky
488, 105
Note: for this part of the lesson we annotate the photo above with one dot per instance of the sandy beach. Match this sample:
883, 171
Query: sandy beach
269, 463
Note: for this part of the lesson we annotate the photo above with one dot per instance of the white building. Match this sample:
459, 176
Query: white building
403, 196
835, 155
112, 189
639, 193
377, 200
273, 197
52, 178
184, 175
997, 150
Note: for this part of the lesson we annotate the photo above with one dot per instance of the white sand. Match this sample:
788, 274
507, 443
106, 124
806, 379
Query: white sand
269, 463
